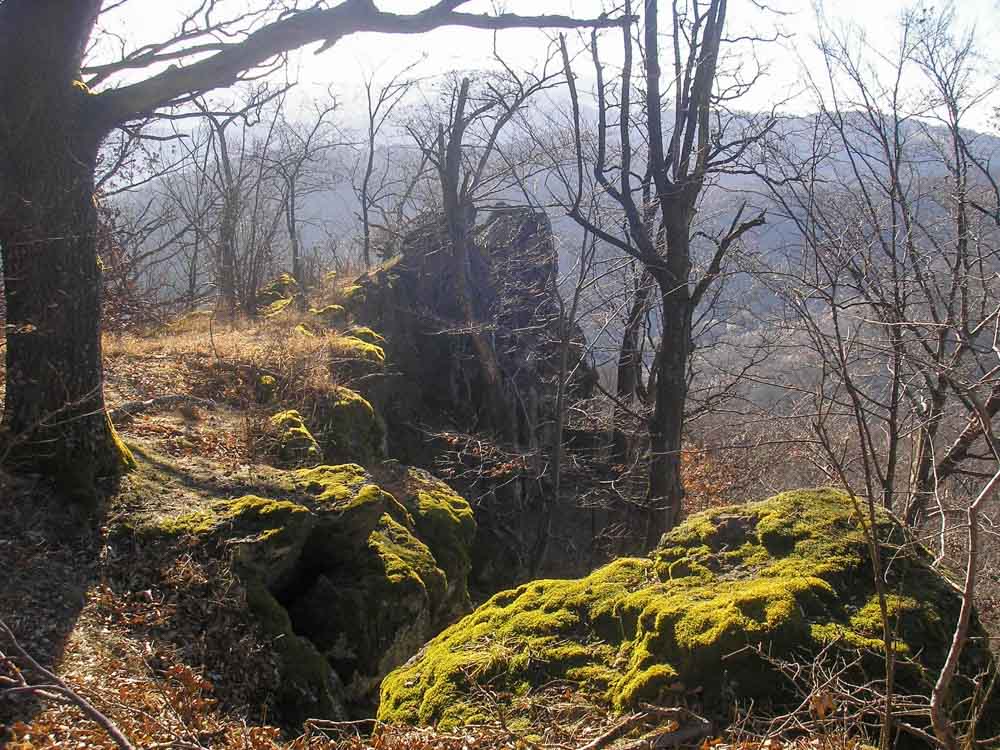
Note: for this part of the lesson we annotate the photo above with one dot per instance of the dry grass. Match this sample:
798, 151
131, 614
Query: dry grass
197, 357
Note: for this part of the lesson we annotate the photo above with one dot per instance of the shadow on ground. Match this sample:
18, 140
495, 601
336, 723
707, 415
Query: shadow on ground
49, 554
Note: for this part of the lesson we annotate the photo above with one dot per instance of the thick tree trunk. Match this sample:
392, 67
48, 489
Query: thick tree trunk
54, 416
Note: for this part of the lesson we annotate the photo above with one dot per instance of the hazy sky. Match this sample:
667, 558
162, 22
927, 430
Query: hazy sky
343, 65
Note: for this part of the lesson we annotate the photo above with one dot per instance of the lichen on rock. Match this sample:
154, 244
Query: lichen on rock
791, 574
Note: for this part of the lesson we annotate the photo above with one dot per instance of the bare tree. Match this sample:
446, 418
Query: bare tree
464, 152
890, 282
53, 124
658, 201
375, 189
300, 159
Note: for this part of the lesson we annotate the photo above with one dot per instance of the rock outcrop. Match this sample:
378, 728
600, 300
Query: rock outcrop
434, 385
349, 579
412, 302
791, 575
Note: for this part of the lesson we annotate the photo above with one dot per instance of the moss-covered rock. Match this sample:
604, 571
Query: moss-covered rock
294, 444
348, 350
265, 388
445, 522
366, 334
266, 538
374, 594
283, 287
348, 428
276, 308
331, 316
341, 574
791, 573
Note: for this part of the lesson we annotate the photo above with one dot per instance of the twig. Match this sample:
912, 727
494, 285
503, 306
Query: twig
59, 690
615, 732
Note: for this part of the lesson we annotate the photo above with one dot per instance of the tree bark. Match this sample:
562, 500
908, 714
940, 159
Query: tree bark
54, 415
630, 366
665, 492
51, 127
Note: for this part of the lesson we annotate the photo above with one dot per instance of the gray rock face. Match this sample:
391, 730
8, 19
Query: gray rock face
512, 275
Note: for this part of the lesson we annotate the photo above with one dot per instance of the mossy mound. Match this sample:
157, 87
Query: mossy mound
266, 538
284, 287
366, 334
331, 316
791, 574
348, 428
341, 574
294, 445
348, 350
265, 388
276, 308
444, 520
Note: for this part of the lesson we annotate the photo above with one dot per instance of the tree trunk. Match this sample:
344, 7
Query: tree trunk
226, 270
54, 416
293, 239
665, 493
630, 367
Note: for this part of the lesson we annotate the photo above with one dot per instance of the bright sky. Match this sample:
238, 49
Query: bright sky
344, 65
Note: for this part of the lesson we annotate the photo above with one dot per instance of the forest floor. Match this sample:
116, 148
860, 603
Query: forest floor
158, 639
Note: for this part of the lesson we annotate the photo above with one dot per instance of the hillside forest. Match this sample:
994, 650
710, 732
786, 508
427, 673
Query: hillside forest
605, 375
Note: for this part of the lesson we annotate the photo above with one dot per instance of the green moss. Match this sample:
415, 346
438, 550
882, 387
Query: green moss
249, 516
283, 287
332, 484
276, 308
352, 348
196, 523
378, 587
445, 521
342, 574
348, 427
124, 460
366, 334
294, 443
789, 574
352, 292
266, 387
332, 316
406, 559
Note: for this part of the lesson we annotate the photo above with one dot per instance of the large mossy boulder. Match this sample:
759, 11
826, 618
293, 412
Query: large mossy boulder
791, 574
349, 579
